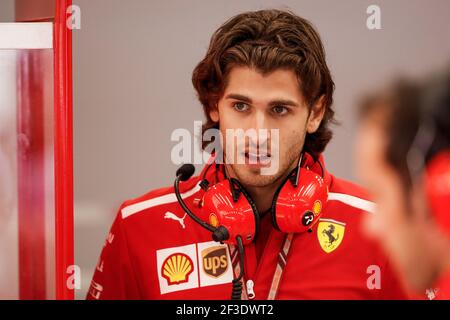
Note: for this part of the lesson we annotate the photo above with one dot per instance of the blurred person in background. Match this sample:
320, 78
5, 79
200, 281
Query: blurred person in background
403, 157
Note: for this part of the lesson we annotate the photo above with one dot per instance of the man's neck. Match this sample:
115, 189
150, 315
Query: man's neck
263, 196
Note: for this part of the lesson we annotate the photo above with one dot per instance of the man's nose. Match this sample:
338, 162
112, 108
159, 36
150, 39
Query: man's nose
260, 123
260, 120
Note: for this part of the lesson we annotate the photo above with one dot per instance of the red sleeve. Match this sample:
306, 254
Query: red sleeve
392, 285
114, 278
443, 290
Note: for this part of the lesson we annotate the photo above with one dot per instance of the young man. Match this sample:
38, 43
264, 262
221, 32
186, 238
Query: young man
263, 70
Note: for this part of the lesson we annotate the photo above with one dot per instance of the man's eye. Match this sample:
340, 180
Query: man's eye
241, 106
280, 110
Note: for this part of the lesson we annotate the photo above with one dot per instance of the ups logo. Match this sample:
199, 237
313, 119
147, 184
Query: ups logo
215, 261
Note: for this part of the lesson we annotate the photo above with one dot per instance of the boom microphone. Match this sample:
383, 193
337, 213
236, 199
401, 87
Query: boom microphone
186, 171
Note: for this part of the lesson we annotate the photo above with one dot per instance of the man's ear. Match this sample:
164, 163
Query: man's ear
316, 115
214, 113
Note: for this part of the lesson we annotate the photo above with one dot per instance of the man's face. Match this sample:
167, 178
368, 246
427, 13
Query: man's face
271, 102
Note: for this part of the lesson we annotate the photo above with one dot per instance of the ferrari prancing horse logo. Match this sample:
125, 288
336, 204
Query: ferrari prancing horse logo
330, 234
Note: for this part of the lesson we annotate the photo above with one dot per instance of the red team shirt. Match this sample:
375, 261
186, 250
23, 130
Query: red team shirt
155, 251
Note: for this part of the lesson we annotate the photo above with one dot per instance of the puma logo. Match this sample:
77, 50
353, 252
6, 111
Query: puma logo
173, 216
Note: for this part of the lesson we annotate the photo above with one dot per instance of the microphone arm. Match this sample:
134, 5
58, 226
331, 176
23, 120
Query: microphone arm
219, 234
186, 209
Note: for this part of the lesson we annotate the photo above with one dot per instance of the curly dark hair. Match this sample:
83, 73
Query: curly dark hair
268, 40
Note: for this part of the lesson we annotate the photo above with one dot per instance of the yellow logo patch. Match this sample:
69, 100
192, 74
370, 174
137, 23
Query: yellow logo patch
330, 234
317, 207
213, 220
177, 268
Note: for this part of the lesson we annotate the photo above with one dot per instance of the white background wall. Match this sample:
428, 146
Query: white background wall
6, 10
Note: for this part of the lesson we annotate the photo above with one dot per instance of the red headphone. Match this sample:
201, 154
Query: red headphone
296, 206
437, 188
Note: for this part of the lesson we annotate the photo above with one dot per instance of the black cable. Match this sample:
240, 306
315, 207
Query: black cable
321, 167
237, 283
205, 183
186, 209
219, 234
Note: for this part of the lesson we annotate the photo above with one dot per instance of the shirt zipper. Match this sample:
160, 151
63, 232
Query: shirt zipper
250, 293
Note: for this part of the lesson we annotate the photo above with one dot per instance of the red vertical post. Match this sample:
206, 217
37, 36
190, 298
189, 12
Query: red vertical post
64, 234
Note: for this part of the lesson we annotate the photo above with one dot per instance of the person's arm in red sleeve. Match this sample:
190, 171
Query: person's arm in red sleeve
114, 278
444, 286
392, 285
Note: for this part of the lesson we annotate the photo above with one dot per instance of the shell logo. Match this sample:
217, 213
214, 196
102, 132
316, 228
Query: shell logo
213, 220
317, 207
177, 268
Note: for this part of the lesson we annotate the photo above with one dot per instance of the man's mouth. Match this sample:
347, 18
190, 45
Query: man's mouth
257, 158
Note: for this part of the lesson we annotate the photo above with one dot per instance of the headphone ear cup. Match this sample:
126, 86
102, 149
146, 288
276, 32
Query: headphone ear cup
297, 209
252, 204
239, 217
437, 188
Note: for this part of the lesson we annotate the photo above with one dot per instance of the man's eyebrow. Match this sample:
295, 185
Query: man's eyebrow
276, 102
283, 102
237, 96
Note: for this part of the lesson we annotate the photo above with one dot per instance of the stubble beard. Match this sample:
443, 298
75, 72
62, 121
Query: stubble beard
252, 177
